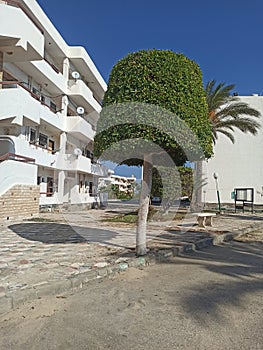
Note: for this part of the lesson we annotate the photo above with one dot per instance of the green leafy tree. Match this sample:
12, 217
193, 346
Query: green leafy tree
187, 181
227, 112
179, 184
173, 85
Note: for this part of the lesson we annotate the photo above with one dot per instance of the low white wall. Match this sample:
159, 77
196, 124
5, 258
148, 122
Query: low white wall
16, 173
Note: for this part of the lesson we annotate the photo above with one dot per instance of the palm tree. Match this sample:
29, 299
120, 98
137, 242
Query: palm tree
227, 112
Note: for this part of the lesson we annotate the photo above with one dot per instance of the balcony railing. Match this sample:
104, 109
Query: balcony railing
13, 84
52, 65
46, 148
17, 157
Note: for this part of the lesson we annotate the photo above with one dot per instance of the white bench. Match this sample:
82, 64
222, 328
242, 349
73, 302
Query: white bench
204, 219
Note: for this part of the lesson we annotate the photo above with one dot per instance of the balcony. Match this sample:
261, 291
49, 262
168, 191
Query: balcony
16, 145
20, 38
83, 96
83, 64
80, 128
99, 170
25, 103
45, 74
72, 163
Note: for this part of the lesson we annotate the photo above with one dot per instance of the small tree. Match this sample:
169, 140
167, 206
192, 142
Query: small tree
180, 186
173, 85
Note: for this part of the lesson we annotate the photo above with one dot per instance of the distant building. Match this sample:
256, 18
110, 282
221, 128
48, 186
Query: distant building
50, 97
238, 165
123, 184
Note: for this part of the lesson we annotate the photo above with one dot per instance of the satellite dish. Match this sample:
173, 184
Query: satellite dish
80, 110
75, 75
77, 152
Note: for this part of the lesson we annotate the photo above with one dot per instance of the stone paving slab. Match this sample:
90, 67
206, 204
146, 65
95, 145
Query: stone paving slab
63, 251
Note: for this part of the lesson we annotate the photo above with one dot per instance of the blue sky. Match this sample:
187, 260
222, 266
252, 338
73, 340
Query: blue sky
223, 37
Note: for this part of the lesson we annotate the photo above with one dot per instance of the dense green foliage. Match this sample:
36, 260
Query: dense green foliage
227, 112
161, 78
178, 185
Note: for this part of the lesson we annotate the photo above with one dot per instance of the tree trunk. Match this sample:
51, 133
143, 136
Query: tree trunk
144, 206
199, 182
1, 68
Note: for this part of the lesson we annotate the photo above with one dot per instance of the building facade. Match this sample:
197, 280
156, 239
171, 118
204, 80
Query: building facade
123, 184
50, 98
238, 165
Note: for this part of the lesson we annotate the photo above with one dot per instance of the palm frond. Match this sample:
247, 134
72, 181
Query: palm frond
228, 134
236, 110
243, 124
227, 113
218, 95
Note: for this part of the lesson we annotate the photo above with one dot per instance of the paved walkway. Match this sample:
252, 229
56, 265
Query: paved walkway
59, 247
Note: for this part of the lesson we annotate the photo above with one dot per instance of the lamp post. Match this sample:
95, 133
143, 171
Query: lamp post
217, 192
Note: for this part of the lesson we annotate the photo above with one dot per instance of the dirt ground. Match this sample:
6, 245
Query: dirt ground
256, 236
211, 299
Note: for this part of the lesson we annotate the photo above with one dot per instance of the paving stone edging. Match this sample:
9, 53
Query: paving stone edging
12, 300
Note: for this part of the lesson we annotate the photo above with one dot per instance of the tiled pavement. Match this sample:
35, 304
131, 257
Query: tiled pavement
64, 246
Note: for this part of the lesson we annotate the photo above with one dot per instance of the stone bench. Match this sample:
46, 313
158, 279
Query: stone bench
204, 219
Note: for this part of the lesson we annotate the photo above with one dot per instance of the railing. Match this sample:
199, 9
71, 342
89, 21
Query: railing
48, 194
22, 84
55, 68
46, 148
13, 156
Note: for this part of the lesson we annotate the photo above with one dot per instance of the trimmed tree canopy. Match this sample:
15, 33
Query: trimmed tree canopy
161, 78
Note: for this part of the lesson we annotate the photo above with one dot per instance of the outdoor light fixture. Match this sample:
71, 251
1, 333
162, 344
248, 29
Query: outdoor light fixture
217, 191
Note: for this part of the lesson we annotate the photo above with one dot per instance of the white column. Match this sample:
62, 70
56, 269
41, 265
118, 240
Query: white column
66, 67
64, 105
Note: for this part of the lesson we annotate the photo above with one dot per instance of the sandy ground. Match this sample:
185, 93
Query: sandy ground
212, 299
256, 236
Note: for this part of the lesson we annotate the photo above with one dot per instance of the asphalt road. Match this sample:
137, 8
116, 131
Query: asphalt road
211, 299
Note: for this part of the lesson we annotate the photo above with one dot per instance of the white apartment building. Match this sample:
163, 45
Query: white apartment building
238, 165
123, 183
50, 98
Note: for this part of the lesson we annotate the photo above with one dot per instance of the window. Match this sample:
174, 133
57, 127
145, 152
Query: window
85, 152
35, 92
38, 180
91, 188
50, 186
51, 146
32, 135
43, 140
43, 100
53, 106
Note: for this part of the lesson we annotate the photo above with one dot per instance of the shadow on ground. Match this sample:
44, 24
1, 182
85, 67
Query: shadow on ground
238, 271
62, 233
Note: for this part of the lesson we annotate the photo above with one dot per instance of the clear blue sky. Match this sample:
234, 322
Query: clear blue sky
224, 37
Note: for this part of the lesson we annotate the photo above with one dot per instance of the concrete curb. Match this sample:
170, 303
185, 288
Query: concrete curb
12, 300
